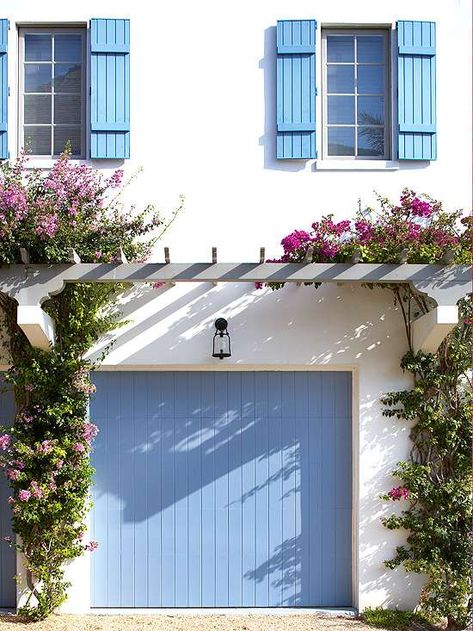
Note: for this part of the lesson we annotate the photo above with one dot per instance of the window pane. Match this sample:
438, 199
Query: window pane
371, 141
371, 79
370, 110
341, 141
67, 78
67, 109
38, 47
38, 140
37, 108
340, 48
341, 79
67, 47
341, 110
63, 135
38, 77
370, 48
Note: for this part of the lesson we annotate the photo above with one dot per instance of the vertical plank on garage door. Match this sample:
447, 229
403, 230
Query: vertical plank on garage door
223, 489
7, 554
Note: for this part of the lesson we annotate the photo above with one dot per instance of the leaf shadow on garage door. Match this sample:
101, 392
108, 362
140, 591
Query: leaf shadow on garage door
228, 488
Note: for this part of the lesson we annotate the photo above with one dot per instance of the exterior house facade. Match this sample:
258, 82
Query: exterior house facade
252, 481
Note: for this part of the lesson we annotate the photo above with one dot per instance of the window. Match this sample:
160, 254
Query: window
52, 91
355, 94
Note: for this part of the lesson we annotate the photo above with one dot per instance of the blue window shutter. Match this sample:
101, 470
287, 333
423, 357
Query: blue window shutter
417, 133
109, 88
296, 89
4, 26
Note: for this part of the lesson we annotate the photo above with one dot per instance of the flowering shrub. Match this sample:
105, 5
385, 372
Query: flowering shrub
418, 226
437, 480
45, 454
72, 206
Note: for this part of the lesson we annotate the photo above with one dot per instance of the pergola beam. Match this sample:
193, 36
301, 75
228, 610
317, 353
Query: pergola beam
31, 285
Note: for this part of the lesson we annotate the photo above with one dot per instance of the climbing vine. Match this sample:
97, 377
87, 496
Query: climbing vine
45, 453
436, 481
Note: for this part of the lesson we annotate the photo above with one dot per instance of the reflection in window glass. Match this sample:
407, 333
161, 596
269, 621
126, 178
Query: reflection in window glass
355, 94
341, 141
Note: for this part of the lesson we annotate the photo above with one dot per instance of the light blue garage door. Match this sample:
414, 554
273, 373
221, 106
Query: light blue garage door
7, 554
222, 489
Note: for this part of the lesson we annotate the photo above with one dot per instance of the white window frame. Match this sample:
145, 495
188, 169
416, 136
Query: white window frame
388, 120
25, 30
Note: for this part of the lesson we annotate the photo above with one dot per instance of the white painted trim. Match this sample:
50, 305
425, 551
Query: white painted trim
333, 164
229, 611
355, 465
431, 329
37, 325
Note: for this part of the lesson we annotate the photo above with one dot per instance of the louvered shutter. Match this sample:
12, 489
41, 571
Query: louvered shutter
4, 26
417, 138
296, 89
109, 88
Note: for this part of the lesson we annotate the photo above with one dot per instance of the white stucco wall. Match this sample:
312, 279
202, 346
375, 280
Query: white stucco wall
203, 124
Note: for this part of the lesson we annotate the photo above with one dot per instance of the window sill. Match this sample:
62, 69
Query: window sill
356, 165
48, 163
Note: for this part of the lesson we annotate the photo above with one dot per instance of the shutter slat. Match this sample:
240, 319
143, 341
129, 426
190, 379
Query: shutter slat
296, 89
4, 26
417, 131
110, 88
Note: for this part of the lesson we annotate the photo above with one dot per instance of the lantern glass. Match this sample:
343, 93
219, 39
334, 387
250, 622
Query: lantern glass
221, 341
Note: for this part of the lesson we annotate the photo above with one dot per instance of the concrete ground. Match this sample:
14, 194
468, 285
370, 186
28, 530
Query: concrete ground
160, 622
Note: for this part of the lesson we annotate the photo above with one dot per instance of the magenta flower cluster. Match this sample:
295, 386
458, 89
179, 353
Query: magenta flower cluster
72, 206
399, 493
417, 224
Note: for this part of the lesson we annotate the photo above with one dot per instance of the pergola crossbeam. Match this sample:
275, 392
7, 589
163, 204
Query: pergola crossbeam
31, 285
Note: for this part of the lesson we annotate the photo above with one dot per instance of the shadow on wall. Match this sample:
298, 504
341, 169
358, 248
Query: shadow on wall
174, 327
294, 325
268, 140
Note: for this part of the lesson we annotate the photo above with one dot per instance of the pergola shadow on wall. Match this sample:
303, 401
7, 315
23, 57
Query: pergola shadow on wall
31, 285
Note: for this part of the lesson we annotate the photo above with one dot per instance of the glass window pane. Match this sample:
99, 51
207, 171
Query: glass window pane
67, 109
38, 108
38, 47
340, 48
65, 135
341, 141
371, 141
341, 79
38, 140
67, 78
67, 47
370, 49
38, 77
341, 110
370, 79
371, 110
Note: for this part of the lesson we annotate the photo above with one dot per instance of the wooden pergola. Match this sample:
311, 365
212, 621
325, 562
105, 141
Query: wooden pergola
31, 285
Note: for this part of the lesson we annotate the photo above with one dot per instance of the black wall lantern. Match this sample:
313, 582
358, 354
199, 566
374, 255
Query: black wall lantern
221, 342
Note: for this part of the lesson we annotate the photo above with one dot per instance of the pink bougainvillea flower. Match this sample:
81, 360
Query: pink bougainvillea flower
29, 387
46, 447
5, 441
92, 546
398, 493
12, 474
90, 432
36, 491
421, 208
79, 447
24, 495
